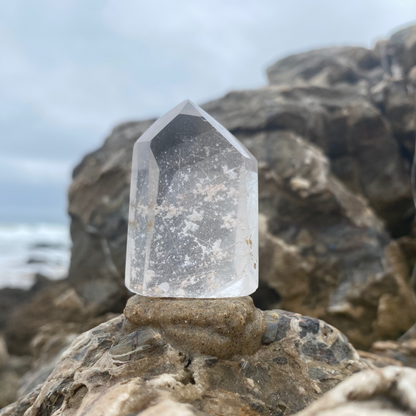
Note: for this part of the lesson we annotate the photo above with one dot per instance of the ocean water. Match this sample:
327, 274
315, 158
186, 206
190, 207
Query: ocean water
27, 249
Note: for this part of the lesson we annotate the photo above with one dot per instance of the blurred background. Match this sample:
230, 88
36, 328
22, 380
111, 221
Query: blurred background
71, 70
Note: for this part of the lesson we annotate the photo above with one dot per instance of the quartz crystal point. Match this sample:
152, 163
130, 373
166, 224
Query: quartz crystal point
193, 220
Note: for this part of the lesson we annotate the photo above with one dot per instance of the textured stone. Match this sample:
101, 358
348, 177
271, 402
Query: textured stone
362, 139
221, 327
19, 407
321, 246
122, 368
327, 67
44, 307
389, 391
352, 132
12, 298
47, 347
378, 361
11, 370
403, 350
193, 210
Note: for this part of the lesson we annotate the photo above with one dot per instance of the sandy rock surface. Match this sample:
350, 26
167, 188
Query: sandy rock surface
124, 366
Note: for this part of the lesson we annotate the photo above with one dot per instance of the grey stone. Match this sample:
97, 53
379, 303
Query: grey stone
125, 366
383, 392
333, 135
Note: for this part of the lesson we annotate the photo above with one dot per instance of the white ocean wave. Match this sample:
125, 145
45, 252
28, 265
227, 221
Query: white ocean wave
27, 249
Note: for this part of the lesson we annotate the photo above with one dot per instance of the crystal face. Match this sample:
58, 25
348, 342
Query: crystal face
193, 219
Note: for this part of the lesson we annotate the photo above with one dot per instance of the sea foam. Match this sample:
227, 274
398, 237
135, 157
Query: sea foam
27, 249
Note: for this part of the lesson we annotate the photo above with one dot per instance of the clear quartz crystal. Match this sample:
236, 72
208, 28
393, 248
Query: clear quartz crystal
193, 220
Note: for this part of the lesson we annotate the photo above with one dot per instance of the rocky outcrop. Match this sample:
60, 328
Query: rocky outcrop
37, 332
19, 407
389, 391
322, 249
402, 351
57, 302
328, 67
333, 133
11, 370
12, 298
98, 206
346, 123
143, 361
51, 341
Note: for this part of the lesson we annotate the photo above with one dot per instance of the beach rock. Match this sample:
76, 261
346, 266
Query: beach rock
390, 391
327, 67
402, 45
125, 366
403, 350
47, 347
19, 407
333, 134
9, 380
349, 128
375, 360
323, 252
58, 302
11, 298
98, 206
11, 369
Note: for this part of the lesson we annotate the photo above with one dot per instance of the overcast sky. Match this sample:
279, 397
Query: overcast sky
72, 69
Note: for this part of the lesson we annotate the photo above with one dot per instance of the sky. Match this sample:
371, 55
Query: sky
70, 70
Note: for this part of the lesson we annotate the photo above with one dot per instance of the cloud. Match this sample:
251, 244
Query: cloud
71, 69
34, 171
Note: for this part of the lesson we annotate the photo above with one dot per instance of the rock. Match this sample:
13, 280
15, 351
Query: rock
403, 48
403, 351
327, 67
19, 407
389, 391
9, 384
11, 369
10, 298
408, 248
4, 355
98, 206
168, 407
345, 124
21, 374
378, 361
322, 249
47, 347
9, 380
57, 302
124, 366
333, 134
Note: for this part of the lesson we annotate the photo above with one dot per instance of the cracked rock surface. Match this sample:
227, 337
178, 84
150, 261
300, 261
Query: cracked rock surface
390, 391
125, 366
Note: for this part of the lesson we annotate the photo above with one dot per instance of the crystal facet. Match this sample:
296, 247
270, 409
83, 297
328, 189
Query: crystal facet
193, 220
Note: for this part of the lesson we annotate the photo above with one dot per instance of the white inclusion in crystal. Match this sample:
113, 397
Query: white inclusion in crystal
193, 219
